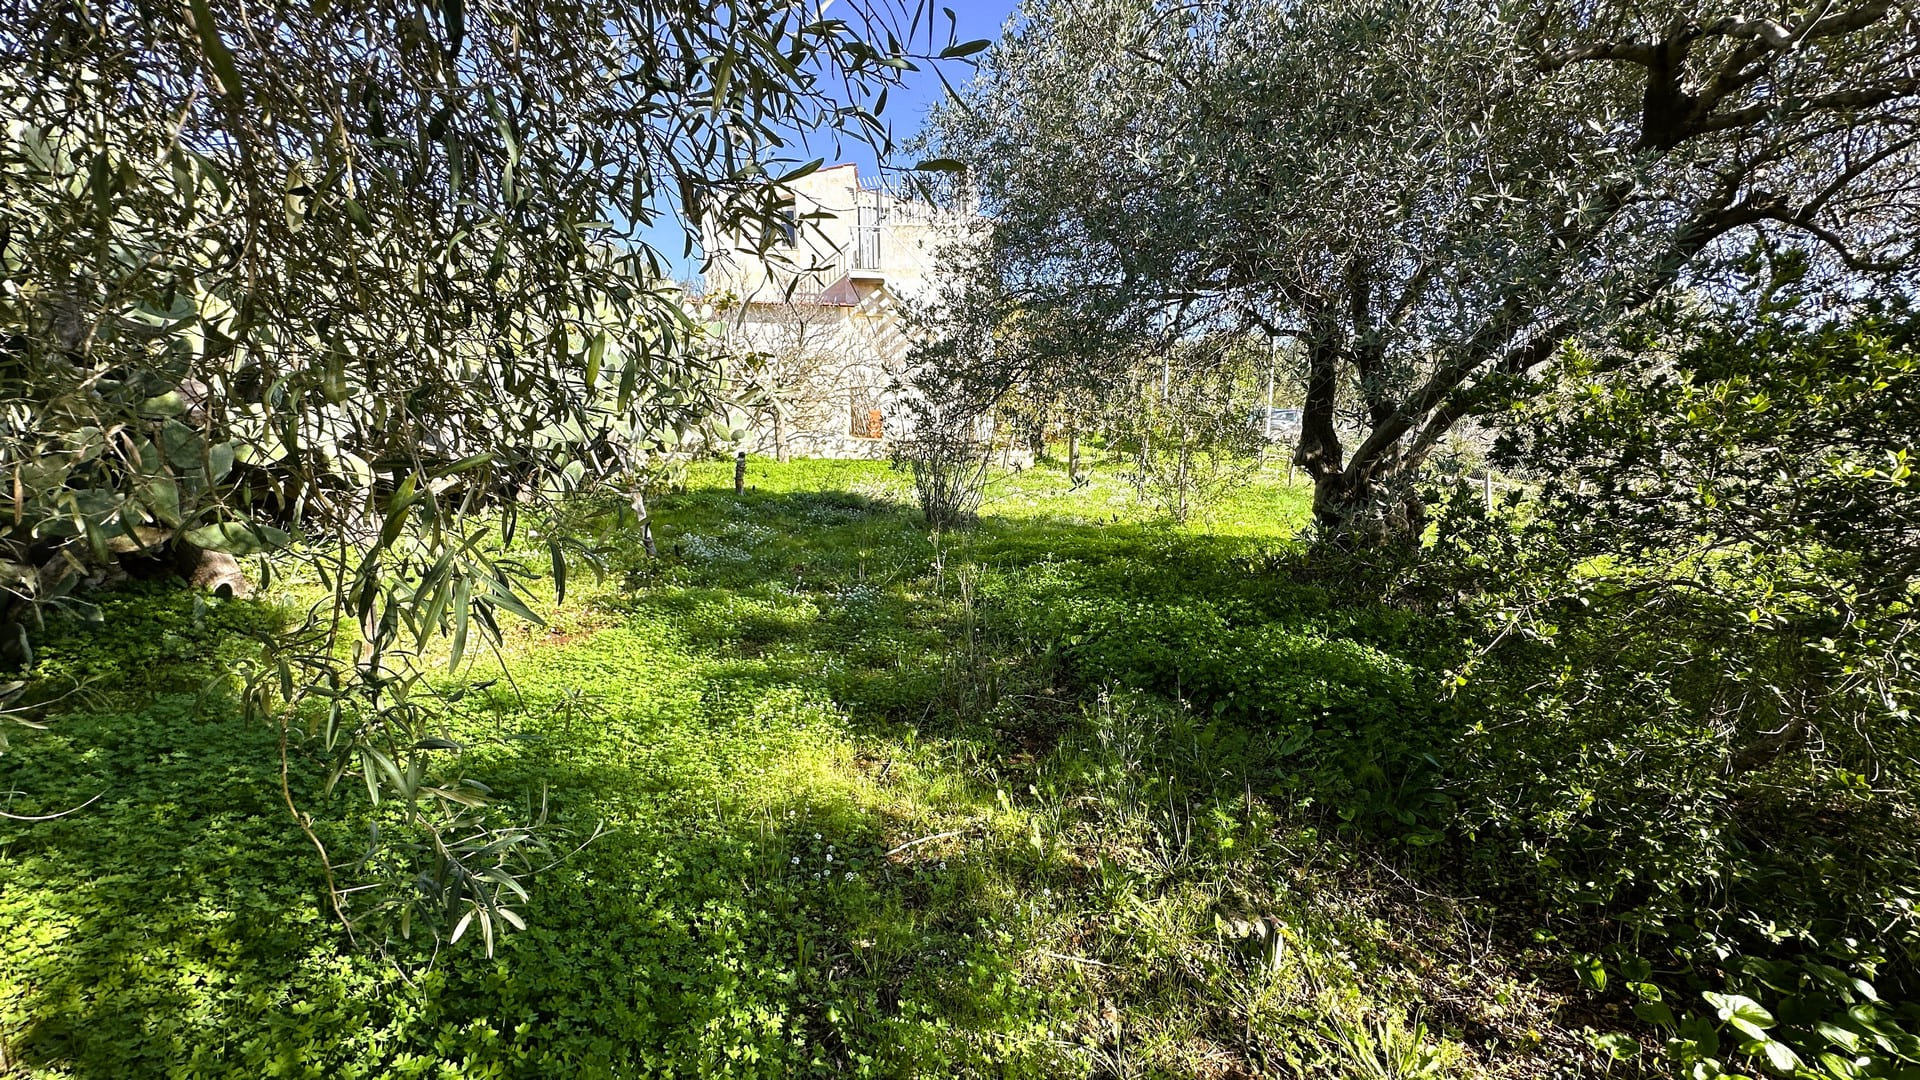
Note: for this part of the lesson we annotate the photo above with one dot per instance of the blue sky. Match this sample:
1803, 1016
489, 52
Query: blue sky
907, 108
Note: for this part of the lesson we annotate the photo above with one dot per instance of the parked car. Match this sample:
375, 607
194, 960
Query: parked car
1278, 425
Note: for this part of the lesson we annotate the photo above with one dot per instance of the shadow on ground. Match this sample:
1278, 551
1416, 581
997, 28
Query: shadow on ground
848, 780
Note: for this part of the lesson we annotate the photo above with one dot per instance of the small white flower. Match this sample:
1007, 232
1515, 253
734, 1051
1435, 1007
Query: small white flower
1044, 893
829, 857
795, 860
816, 836
850, 875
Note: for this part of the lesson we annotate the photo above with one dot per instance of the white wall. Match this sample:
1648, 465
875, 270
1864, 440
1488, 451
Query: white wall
832, 326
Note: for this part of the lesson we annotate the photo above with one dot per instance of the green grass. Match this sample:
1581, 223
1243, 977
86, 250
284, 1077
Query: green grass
1071, 793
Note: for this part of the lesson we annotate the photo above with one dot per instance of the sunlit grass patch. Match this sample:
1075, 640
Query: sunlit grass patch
828, 794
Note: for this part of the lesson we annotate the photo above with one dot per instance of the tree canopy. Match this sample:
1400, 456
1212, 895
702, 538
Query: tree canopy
1429, 198
368, 240
344, 275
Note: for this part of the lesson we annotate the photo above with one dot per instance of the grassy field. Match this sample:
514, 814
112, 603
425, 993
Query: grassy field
1054, 796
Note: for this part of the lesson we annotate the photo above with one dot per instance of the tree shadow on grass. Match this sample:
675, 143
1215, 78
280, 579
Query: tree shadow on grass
713, 927
1304, 694
725, 923
173, 922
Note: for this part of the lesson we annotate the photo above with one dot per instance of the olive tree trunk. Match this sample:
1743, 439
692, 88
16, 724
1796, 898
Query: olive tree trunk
1366, 499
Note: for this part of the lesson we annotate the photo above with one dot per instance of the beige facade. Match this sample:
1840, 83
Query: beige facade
822, 305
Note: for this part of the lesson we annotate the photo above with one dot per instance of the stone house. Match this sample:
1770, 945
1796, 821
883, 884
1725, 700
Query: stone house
820, 303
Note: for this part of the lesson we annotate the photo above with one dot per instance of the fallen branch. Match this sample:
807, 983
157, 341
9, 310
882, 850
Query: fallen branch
922, 840
50, 817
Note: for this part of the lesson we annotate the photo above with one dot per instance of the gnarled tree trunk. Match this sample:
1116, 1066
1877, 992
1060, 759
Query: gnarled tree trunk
1368, 500
1354, 510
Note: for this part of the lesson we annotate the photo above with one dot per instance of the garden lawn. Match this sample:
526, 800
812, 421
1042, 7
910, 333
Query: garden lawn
1072, 793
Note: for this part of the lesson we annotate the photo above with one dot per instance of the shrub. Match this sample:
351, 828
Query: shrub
946, 449
1700, 670
1188, 431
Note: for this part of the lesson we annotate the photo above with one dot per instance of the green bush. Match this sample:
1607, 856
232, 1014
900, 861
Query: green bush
1699, 678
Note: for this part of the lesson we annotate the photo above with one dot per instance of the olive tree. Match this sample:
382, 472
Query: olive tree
1182, 425
1430, 197
337, 278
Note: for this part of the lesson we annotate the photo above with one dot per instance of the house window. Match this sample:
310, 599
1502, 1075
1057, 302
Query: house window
787, 229
864, 420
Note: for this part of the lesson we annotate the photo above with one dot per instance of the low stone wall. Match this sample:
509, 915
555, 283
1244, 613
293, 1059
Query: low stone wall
820, 444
